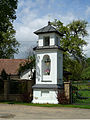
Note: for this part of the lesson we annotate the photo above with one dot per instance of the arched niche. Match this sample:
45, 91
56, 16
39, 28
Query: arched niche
46, 65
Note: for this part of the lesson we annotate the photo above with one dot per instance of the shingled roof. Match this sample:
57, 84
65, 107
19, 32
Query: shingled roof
11, 66
47, 29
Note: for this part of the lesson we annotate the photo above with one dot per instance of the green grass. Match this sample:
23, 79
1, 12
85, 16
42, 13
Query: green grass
49, 105
83, 101
82, 86
84, 93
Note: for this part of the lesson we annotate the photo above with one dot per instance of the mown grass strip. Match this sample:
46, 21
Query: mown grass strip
50, 105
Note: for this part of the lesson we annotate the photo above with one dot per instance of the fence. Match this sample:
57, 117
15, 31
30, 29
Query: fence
16, 90
81, 92
1, 86
18, 87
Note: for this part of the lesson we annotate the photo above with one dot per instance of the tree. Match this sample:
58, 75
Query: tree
76, 69
8, 43
30, 52
72, 42
7, 13
86, 71
28, 64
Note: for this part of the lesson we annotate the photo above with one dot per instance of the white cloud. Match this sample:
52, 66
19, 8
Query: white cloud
68, 18
87, 48
51, 2
24, 32
30, 22
29, 19
87, 39
88, 11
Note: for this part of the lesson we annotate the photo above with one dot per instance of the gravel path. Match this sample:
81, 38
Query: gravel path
22, 112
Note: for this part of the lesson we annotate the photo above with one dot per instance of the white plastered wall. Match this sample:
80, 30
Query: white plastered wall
26, 75
52, 39
45, 96
56, 70
52, 78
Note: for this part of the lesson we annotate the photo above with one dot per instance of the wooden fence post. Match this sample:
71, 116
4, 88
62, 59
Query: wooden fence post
6, 89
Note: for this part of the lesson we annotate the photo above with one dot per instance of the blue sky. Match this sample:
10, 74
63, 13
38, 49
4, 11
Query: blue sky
34, 14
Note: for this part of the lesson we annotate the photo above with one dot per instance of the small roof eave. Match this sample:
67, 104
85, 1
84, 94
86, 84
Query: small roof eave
48, 47
48, 29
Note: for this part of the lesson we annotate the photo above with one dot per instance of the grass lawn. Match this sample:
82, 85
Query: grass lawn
49, 105
83, 94
82, 101
82, 86
83, 91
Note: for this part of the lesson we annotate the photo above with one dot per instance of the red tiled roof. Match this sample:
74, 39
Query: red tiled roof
11, 66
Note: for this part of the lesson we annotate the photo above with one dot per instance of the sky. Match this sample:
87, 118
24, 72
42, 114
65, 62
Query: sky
35, 14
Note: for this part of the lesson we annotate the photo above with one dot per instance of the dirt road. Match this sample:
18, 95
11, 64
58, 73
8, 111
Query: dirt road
17, 112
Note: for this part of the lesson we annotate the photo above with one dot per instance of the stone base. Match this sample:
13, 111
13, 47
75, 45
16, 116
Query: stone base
47, 96
45, 102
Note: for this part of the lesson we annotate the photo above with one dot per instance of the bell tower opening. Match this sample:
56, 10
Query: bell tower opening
46, 40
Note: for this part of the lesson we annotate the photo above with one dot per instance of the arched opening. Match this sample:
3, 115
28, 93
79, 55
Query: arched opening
46, 65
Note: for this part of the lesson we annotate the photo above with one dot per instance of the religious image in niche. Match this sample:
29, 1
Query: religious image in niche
46, 65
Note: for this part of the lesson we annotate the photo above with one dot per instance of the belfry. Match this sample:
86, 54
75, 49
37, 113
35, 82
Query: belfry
49, 65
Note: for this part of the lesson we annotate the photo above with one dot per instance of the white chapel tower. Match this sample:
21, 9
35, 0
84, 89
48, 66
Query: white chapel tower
49, 65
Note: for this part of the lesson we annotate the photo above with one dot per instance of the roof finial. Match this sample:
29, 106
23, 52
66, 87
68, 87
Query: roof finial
49, 23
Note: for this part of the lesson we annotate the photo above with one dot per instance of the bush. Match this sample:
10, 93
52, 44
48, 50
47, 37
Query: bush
26, 97
62, 99
74, 88
74, 93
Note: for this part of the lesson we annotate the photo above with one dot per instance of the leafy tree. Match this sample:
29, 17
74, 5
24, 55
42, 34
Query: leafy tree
88, 62
86, 74
30, 52
76, 69
8, 43
28, 64
86, 71
7, 13
72, 42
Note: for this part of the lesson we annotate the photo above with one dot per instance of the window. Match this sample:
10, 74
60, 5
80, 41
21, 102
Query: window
46, 65
46, 41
